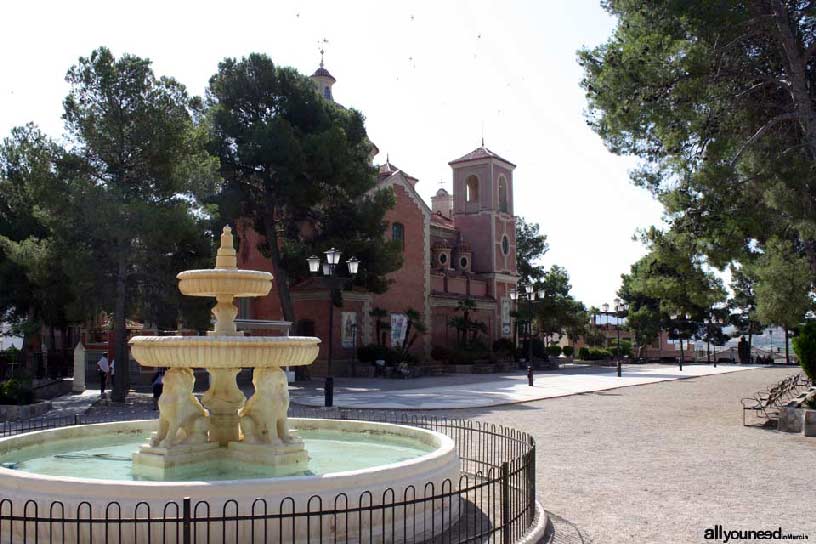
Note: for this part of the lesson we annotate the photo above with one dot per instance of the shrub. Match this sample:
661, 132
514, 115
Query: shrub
804, 345
440, 353
16, 391
568, 351
468, 356
554, 351
625, 348
593, 354
597, 354
371, 353
504, 346
539, 349
396, 356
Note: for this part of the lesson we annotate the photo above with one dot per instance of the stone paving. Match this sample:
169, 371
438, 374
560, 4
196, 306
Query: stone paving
449, 392
663, 462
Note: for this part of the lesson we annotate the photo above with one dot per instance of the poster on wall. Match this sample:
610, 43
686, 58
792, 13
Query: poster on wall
399, 326
505, 317
349, 327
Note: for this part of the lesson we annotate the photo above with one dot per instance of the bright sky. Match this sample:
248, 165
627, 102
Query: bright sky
430, 77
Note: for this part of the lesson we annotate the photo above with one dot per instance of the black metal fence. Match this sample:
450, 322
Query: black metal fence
492, 501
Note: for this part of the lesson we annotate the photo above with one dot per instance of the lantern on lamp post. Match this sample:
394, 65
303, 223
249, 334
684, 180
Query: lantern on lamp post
333, 282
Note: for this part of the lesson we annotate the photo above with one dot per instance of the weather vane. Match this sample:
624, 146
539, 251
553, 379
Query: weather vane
321, 47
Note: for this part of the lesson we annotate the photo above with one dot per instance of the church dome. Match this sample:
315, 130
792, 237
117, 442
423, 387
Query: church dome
442, 192
322, 72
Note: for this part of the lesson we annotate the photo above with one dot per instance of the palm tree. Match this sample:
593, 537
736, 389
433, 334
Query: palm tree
379, 314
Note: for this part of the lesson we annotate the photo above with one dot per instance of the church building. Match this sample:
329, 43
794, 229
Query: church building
460, 247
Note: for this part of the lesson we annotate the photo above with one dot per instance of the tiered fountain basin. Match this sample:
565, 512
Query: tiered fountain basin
225, 351
421, 456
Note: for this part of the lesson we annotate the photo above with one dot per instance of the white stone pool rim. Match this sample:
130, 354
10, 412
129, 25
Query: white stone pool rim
440, 464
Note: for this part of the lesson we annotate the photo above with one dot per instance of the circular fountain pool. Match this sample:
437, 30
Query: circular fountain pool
109, 457
86, 469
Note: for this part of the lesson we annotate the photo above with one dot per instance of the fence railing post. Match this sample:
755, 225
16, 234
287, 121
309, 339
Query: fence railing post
507, 537
186, 512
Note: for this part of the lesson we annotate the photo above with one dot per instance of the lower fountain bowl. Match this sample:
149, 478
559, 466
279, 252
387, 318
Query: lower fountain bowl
363, 495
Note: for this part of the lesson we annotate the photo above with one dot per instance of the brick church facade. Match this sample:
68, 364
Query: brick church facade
461, 247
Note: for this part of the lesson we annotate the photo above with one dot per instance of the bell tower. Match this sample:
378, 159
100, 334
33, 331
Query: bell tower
483, 209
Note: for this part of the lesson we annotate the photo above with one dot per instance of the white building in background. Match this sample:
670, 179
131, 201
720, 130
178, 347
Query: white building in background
6, 340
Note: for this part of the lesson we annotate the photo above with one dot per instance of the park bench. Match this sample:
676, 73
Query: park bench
766, 404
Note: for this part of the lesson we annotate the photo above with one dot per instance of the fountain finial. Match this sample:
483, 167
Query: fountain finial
225, 258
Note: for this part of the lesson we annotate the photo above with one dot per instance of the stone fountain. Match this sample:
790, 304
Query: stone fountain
224, 426
227, 453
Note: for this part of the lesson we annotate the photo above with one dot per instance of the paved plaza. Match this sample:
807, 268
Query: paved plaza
475, 391
661, 463
653, 464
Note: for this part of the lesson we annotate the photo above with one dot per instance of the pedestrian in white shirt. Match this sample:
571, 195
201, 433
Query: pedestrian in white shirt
104, 369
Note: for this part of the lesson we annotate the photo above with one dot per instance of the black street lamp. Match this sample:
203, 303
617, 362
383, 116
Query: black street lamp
620, 307
529, 296
684, 320
333, 282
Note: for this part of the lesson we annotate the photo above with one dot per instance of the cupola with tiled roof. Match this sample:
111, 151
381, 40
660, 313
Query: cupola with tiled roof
323, 80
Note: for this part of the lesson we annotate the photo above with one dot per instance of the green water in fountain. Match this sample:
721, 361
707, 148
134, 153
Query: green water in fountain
108, 457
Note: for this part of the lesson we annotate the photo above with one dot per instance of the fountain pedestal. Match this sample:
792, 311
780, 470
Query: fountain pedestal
224, 426
223, 399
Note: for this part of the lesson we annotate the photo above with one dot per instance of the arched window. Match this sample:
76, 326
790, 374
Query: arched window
505, 245
472, 189
398, 234
503, 194
326, 92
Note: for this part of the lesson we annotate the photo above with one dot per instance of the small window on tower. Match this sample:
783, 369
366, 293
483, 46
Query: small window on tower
505, 244
472, 189
327, 92
398, 234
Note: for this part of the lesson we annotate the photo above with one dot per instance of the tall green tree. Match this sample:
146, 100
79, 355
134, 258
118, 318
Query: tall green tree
144, 167
674, 279
783, 287
531, 246
557, 310
718, 100
298, 166
743, 303
32, 278
643, 315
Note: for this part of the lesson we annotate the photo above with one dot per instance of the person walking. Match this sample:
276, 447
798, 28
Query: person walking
104, 368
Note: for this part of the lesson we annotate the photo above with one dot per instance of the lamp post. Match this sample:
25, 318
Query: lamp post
620, 307
333, 282
684, 319
529, 295
708, 339
605, 313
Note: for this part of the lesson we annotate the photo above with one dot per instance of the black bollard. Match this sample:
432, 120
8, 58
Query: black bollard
530, 375
619, 368
328, 392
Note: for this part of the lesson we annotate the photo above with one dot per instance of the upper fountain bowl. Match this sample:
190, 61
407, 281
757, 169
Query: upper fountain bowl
224, 351
234, 282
